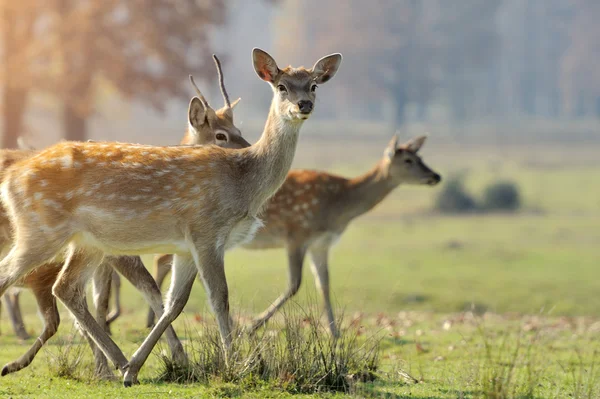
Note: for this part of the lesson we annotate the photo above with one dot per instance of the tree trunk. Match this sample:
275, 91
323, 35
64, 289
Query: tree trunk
74, 124
14, 97
401, 101
13, 110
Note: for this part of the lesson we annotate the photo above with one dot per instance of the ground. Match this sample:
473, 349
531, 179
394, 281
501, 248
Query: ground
460, 302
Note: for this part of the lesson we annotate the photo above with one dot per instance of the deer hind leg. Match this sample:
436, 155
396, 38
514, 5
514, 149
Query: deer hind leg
162, 267
295, 263
17, 316
29, 252
70, 289
184, 272
115, 287
133, 269
13, 308
101, 286
319, 266
49, 311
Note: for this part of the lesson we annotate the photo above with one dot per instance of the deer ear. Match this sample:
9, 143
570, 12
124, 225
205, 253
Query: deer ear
196, 113
414, 145
233, 104
265, 66
326, 67
390, 150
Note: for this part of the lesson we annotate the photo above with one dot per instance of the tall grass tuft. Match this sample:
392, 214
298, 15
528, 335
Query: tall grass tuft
299, 357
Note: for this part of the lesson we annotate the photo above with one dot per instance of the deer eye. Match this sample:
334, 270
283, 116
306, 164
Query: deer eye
221, 137
408, 161
313, 88
282, 88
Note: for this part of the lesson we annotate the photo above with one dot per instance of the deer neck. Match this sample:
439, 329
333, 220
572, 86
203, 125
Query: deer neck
270, 158
364, 192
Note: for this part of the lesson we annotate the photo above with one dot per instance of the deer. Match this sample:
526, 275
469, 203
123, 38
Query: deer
217, 128
92, 199
312, 210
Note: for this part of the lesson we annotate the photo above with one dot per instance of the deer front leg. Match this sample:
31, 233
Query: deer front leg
133, 269
13, 308
320, 270
212, 273
70, 289
162, 267
49, 311
182, 280
295, 262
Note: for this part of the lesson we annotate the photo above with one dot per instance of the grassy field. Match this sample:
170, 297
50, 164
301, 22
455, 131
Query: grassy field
412, 277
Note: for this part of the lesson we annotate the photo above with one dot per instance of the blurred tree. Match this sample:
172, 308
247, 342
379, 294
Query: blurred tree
143, 49
400, 50
580, 78
16, 29
467, 41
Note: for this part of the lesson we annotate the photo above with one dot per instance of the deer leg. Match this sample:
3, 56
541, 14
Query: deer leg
101, 367
115, 287
212, 273
70, 288
29, 253
295, 262
162, 267
320, 270
13, 308
133, 269
16, 315
101, 285
183, 274
49, 311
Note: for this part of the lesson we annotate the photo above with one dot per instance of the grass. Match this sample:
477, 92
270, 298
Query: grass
474, 306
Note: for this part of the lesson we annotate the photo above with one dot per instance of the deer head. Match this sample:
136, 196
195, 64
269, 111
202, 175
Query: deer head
406, 166
294, 87
207, 126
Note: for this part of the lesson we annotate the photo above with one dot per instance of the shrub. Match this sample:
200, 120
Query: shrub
454, 198
501, 196
299, 358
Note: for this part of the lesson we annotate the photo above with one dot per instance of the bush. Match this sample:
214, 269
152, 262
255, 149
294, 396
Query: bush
299, 358
454, 198
501, 196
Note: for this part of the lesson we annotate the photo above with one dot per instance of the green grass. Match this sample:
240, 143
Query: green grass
417, 270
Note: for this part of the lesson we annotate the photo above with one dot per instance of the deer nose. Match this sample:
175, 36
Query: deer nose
435, 179
305, 106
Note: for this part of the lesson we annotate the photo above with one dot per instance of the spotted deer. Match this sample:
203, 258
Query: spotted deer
217, 128
311, 211
124, 199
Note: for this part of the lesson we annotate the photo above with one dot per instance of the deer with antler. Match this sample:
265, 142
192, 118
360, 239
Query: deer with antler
108, 198
312, 209
217, 128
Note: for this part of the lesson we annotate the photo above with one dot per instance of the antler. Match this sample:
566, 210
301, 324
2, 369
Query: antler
202, 99
221, 83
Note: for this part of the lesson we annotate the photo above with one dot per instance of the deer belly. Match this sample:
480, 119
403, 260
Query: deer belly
115, 246
243, 232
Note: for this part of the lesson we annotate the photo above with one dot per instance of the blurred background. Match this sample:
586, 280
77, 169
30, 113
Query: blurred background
508, 90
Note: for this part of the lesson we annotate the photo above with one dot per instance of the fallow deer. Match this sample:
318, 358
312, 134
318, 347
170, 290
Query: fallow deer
216, 128
312, 209
124, 199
